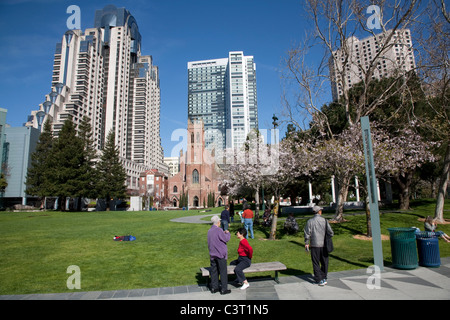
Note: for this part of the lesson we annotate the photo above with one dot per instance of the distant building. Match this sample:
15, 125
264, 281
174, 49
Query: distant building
222, 93
360, 54
173, 164
18, 146
3, 113
153, 186
199, 176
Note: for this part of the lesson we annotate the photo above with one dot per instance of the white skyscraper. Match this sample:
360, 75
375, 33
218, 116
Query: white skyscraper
397, 57
222, 93
100, 73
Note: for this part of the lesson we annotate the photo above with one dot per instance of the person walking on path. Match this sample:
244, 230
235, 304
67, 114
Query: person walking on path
244, 260
314, 231
218, 253
248, 220
225, 218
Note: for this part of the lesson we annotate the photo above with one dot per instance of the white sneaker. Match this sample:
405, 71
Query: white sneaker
245, 286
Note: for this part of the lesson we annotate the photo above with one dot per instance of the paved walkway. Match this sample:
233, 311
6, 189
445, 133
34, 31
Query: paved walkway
417, 284
194, 219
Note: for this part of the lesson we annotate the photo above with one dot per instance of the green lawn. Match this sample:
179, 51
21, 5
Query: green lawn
37, 248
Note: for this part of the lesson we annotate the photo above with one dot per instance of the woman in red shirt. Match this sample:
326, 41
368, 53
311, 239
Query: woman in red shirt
245, 252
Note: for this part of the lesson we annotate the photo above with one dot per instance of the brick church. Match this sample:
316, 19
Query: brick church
199, 176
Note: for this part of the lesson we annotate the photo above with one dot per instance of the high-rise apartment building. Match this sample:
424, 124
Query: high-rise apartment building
222, 93
100, 73
354, 60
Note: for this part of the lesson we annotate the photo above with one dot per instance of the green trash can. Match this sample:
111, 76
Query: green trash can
403, 248
428, 248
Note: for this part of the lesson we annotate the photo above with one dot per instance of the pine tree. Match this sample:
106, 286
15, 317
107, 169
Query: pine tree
37, 180
112, 175
67, 163
89, 174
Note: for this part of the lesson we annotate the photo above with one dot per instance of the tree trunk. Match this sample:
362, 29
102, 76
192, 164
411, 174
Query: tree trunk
62, 204
439, 210
273, 227
404, 185
342, 197
256, 221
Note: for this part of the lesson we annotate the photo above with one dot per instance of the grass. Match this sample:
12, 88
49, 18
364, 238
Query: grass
38, 247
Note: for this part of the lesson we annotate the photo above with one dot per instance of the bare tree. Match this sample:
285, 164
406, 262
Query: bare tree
336, 26
433, 62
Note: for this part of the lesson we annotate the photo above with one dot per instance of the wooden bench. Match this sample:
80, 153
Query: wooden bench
255, 267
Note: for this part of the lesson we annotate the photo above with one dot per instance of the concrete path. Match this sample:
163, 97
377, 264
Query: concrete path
194, 219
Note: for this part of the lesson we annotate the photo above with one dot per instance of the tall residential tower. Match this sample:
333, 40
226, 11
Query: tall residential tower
222, 93
397, 57
100, 73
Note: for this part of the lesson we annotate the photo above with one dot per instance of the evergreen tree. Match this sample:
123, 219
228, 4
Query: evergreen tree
89, 174
67, 165
37, 180
3, 182
112, 175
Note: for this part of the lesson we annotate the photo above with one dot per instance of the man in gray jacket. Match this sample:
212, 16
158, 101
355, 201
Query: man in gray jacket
314, 231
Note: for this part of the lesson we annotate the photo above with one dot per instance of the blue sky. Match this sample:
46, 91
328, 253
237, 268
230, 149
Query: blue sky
173, 32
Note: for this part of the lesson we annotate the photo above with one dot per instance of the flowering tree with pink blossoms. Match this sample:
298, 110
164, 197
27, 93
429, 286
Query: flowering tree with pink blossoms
272, 167
405, 152
396, 156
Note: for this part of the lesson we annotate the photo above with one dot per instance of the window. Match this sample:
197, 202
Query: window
195, 176
175, 189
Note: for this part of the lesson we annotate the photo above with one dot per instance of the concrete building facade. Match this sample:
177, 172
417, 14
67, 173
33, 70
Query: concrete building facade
354, 60
101, 74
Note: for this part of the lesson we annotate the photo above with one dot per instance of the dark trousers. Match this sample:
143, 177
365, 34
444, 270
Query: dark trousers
241, 263
219, 266
319, 258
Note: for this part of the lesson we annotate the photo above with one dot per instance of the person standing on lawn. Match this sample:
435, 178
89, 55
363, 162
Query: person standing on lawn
314, 232
225, 218
248, 220
218, 253
244, 260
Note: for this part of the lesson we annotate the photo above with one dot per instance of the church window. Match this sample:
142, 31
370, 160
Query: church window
195, 176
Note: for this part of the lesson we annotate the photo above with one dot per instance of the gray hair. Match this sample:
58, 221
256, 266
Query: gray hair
215, 219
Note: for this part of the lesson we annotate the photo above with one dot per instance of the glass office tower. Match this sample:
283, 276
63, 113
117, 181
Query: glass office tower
222, 93
207, 99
